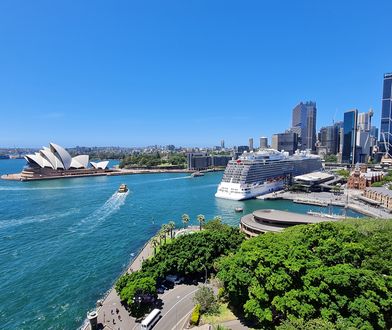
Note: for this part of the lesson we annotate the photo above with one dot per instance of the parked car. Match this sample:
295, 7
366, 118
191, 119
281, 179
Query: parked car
161, 289
179, 280
171, 278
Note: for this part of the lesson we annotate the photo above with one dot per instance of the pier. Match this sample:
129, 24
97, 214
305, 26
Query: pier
351, 200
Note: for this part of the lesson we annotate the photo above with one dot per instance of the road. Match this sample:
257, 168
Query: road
177, 303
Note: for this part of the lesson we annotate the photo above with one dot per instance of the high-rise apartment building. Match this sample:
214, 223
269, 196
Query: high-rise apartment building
386, 116
304, 124
349, 136
263, 143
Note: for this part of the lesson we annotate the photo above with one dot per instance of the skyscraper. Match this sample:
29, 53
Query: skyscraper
386, 115
329, 138
263, 143
285, 141
304, 124
349, 136
223, 144
250, 144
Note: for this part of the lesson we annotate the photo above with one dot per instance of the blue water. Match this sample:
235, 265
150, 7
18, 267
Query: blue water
64, 242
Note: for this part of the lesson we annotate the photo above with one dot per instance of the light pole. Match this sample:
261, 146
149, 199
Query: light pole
205, 279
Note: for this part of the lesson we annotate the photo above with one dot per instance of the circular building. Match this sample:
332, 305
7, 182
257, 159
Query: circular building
269, 220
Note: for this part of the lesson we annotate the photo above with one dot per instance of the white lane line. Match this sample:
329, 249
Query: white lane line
177, 304
172, 306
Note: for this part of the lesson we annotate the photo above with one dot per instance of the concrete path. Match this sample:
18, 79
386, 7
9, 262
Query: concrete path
108, 316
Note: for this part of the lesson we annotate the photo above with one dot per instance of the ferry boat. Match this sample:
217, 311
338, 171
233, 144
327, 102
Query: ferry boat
123, 188
239, 209
196, 174
258, 173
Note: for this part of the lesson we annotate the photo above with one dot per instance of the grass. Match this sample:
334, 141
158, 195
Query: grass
224, 315
168, 241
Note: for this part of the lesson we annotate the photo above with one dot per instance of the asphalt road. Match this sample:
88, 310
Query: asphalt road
177, 303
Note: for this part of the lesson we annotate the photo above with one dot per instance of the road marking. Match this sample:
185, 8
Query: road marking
177, 304
172, 306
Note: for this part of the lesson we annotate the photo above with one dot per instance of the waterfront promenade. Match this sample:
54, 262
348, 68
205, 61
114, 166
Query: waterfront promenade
113, 315
350, 200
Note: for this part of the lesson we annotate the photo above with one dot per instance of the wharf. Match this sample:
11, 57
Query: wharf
352, 201
145, 171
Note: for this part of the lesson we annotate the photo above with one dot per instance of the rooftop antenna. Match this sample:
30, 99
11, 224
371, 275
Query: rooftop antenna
334, 116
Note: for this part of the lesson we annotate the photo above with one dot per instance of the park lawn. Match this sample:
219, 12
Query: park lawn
225, 315
168, 241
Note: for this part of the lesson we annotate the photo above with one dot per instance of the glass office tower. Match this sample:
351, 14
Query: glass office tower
349, 136
386, 115
304, 124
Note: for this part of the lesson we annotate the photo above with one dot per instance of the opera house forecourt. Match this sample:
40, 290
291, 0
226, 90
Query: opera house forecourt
55, 162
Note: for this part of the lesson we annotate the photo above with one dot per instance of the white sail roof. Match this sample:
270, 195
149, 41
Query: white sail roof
56, 157
62, 154
80, 161
100, 165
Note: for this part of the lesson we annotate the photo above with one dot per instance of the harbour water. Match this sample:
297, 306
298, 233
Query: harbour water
64, 242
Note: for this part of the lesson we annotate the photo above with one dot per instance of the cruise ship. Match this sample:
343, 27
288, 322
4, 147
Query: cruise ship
257, 173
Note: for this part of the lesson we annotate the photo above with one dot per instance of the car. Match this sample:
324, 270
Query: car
179, 280
171, 278
161, 289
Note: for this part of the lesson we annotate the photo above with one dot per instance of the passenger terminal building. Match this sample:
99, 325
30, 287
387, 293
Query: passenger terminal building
268, 220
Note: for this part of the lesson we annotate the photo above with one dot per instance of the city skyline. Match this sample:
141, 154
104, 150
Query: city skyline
160, 76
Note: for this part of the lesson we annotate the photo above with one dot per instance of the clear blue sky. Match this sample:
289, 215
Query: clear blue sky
134, 73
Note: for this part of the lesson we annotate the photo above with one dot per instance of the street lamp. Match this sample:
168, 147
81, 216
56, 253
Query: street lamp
205, 279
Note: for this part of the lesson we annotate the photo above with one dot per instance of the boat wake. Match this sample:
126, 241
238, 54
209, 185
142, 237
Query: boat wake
111, 206
42, 188
162, 180
35, 219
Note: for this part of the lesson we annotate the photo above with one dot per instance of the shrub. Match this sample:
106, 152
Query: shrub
221, 294
195, 315
206, 299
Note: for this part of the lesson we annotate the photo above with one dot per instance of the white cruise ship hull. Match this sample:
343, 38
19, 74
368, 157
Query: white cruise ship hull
235, 191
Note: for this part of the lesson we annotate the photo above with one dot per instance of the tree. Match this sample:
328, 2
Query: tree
338, 272
154, 244
162, 234
201, 219
344, 173
331, 158
185, 219
187, 255
215, 224
206, 299
171, 225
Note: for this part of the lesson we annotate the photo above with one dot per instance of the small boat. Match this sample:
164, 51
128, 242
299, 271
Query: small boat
123, 188
196, 174
239, 209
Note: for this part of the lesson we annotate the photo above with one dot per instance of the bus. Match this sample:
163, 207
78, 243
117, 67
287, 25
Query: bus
151, 319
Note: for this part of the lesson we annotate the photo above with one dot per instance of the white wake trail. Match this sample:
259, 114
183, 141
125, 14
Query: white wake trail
111, 206
34, 219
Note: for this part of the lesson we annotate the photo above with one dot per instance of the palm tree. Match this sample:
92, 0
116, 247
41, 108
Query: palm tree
201, 219
154, 244
165, 230
162, 235
171, 225
218, 218
185, 219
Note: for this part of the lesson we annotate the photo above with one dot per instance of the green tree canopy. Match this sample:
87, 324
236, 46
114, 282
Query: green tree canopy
337, 272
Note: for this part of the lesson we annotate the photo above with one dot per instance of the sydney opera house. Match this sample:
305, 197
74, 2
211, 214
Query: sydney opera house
56, 162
